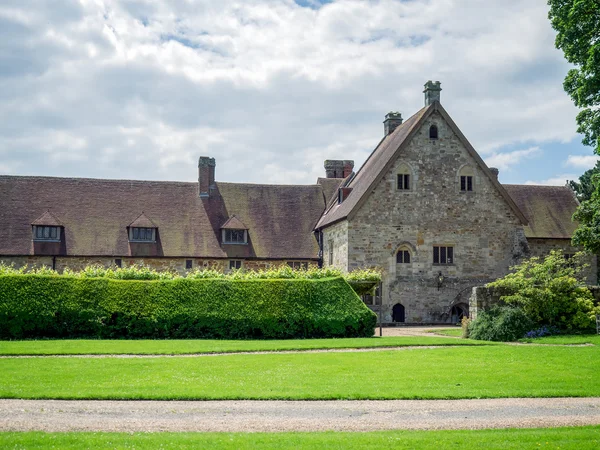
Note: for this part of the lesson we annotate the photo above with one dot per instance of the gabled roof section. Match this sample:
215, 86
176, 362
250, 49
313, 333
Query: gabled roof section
384, 155
330, 186
142, 222
47, 219
548, 209
233, 223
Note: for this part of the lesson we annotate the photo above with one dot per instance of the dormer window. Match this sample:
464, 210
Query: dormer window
142, 230
47, 228
433, 132
142, 234
46, 233
234, 231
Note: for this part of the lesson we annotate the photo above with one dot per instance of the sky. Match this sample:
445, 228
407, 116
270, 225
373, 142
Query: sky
139, 89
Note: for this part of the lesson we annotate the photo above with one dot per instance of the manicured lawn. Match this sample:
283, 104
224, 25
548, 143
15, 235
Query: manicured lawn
180, 347
567, 339
576, 438
452, 372
457, 332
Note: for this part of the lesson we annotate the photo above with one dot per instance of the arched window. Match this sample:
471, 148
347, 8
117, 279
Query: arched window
403, 256
433, 132
404, 178
466, 179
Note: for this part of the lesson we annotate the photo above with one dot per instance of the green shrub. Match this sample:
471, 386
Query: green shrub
550, 291
500, 323
33, 306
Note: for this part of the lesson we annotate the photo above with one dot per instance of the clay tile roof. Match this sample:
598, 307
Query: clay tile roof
233, 223
548, 209
142, 222
47, 219
96, 214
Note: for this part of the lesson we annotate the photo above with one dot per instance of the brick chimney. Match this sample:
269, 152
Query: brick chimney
206, 176
348, 167
432, 92
337, 168
392, 120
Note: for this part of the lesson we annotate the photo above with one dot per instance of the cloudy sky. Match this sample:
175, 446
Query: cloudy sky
270, 88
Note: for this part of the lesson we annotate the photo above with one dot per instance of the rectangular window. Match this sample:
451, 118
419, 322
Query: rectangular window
466, 183
298, 265
118, 262
188, 264
45, 233
235, 236
331, 252
443, 254
403, 181
140, 234
235, 264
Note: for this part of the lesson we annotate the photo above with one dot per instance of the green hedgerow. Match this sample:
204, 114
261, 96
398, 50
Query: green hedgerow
51, 306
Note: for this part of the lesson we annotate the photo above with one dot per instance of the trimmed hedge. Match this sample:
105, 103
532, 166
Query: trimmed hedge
36, 306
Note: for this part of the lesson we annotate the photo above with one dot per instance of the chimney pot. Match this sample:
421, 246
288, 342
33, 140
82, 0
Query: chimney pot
432, 92
206, 176
393, 119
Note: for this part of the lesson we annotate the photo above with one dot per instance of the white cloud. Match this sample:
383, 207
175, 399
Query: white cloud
504, 161
269, 88
582, 161
559, 180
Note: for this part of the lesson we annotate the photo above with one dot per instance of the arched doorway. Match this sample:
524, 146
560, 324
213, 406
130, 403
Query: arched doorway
398, 313
459, 311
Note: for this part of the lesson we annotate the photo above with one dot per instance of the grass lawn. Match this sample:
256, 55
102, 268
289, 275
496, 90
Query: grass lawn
452, 372
576, 438
180, 347
455, 332
567, 339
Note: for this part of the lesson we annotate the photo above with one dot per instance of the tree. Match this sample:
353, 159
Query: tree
578, 25
587, 234
585, 187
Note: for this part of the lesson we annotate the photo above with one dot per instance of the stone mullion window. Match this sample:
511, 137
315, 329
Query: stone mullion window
443, 254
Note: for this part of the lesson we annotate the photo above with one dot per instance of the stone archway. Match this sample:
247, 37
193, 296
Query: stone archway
398, 313
459, 311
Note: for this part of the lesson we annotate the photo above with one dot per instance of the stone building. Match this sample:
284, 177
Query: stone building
424, 208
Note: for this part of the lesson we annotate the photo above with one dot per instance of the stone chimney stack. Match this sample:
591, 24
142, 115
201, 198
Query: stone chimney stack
495, 172
206, 176
337, 168
432, 92
392, 120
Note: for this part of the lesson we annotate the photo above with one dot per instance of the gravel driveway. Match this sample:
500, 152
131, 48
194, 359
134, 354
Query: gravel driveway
231, 416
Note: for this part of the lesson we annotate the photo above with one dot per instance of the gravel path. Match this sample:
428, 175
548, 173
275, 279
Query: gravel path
232, 416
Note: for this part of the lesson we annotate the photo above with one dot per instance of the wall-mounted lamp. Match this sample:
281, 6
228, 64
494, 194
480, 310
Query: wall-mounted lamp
440, 280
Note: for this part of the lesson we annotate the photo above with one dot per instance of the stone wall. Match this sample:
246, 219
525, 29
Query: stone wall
336, 237
542, 247
160, 264
485, 233
483, 297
